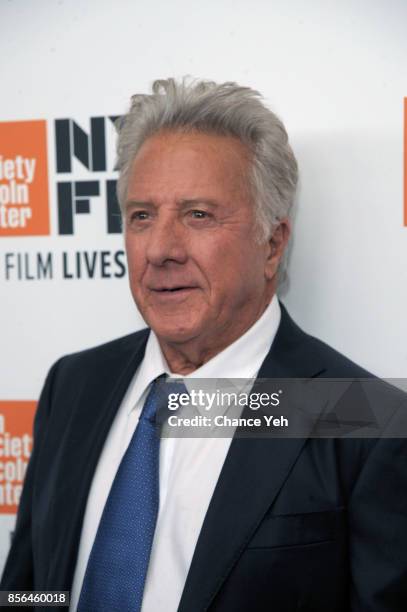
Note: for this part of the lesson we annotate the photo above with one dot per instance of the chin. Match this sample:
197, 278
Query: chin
175, 334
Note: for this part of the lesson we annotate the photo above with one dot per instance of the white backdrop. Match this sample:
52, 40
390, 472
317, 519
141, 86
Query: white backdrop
334, 72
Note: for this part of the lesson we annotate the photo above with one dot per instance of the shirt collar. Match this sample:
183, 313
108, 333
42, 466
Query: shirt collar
240, 360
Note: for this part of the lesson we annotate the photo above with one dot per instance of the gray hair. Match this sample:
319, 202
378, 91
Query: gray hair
225, 109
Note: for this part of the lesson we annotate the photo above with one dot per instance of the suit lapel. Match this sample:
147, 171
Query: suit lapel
78, 459
253, 473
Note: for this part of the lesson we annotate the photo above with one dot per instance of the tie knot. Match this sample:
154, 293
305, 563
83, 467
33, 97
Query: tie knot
157, 401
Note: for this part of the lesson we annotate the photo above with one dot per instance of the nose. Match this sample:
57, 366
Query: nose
167, 242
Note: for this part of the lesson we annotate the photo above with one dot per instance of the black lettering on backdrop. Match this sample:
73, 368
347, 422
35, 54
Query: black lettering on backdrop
93, 264
28, 266
73, 197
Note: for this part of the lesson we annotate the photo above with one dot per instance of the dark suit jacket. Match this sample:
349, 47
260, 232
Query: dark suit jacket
316, 525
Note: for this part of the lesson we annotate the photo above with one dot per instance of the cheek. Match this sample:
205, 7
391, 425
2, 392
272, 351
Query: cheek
249, 272
132, 267
228, 267
135, 258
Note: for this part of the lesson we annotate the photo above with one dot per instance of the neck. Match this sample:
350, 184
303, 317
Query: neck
186, 357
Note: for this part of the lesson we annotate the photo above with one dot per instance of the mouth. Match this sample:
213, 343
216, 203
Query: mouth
173, 289
175, 292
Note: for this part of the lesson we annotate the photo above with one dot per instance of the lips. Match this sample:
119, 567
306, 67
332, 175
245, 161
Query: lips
174, 293
172, 289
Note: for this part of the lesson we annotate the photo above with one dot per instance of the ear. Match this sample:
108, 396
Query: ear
276, 246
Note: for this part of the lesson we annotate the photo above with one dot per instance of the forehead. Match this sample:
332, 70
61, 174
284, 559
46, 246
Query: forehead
189, 163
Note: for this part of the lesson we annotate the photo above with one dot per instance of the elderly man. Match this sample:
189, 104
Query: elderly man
127, 521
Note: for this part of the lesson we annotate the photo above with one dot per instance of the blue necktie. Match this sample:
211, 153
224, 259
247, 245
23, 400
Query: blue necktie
117, 567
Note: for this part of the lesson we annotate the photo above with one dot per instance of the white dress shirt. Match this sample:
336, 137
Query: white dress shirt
189, 467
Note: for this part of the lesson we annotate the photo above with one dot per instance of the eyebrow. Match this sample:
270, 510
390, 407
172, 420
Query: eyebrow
184, 203
133, 203
196, 201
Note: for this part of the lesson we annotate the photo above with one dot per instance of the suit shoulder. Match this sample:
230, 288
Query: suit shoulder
101, 355
336, 364
308, 352
383, 401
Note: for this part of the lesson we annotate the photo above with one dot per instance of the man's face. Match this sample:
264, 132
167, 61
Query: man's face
196, 271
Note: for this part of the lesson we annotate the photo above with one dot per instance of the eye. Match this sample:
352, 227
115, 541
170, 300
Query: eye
198, 219
138, 220
199, 214
139, 215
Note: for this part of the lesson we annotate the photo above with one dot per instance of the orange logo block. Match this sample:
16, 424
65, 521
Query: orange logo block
16, 421
24, 205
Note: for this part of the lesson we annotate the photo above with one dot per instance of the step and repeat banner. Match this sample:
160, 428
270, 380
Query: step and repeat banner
334, 74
